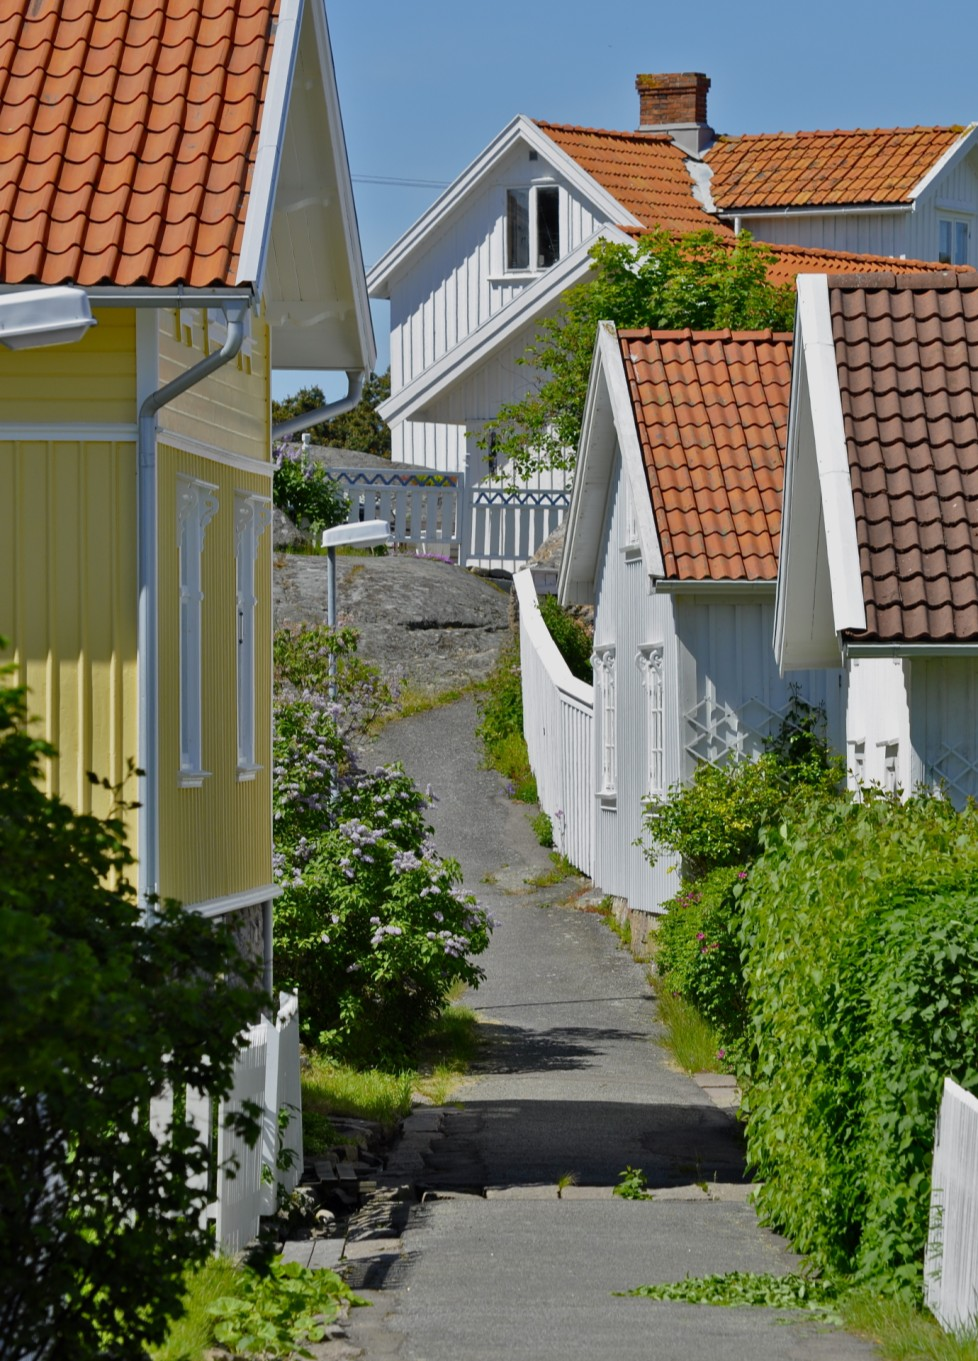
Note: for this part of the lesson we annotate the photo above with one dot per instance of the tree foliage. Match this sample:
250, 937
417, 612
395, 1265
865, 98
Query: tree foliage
700, 280
98, 1219
360, 429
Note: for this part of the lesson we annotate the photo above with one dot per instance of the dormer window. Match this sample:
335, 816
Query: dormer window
532, 227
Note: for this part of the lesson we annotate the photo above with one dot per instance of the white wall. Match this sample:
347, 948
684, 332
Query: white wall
878, 748
944, 724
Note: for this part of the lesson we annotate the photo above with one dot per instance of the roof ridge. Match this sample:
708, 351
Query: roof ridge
729, 137
662, 137
951, 277
722, 333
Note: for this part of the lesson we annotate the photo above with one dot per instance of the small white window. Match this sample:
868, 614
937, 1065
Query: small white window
953, 240
604, 670
252, 516
196, 506
650, 662
532, 227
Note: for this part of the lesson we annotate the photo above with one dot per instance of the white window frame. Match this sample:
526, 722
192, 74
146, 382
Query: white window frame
651, 663
533, 219
631, 545
197, 504
603, 661
958, 226
252, 516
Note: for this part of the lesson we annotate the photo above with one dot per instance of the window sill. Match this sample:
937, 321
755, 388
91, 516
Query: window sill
633, 552
192, 779
608, 800
516, 276
246, 773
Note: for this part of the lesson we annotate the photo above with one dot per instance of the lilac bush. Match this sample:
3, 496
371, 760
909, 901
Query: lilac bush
372, 925
303, 489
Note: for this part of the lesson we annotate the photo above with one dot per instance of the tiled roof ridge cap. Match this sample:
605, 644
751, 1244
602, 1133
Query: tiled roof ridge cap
661, 137
726, 138
956, 277
724, 334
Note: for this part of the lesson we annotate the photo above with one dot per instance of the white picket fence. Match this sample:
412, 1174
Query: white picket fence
479, 523
558, 718
951, 1268
245, 1180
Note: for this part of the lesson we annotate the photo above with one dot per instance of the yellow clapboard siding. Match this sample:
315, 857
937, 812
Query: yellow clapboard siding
92, 382
68, 603
215, 840
232, 408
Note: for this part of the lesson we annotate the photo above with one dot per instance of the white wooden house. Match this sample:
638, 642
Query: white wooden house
879, 564
492, 256
673, 535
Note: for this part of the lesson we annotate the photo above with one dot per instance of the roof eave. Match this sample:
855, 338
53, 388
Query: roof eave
965, 144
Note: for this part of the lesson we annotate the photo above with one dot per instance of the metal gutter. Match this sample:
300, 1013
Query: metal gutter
668, 586
909, 650
354, 391
148, 588
857, 210
177, 296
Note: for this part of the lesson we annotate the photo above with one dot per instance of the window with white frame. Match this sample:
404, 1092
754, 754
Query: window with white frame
532, 227
196, 506
631, 544
953, 239
604, 671
252, 516
650, 662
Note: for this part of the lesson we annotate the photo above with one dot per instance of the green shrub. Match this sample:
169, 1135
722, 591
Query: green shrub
99, 1011
716, 819
371, 926
698, 952
304, 491
543, 829
861, 938
573, 640
501, 707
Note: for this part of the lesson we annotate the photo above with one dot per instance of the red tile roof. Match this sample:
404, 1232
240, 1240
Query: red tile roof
907, 355
799, 169
711, 410
130, 129
646, 174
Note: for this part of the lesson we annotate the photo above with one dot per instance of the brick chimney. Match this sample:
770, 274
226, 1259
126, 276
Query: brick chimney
676, 104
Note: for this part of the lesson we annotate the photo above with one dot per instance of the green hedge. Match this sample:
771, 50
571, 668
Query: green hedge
860, 937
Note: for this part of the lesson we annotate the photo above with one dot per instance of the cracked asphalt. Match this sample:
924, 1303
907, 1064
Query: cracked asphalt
570, 1088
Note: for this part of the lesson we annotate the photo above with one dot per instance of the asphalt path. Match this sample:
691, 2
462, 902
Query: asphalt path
571, 1088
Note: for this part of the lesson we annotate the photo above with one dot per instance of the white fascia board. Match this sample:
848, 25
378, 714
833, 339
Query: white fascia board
633, 463
965, 144
818, 349
520, 129
534, 301
344, 188
782, 598
261, 199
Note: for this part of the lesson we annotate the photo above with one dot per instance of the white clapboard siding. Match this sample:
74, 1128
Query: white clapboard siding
239, 1168
281, 1138
558, 712
951, 1270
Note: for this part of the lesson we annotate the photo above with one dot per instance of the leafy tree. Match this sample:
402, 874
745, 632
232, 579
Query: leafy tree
98, 1218
360, 429
700, 280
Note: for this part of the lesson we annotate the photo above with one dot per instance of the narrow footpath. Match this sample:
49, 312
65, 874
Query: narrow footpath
517, 1245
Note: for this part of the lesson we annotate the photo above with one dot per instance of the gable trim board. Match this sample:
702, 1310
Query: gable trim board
521, 129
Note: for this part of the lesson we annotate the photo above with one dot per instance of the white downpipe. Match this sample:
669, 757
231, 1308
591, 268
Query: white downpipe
147, 619
354, 391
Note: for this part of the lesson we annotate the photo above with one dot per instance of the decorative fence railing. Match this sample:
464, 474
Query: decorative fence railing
558, 717
485, 525
507, 528
951, 1269
244, 1181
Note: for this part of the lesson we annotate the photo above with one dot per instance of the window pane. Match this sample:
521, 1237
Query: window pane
960, 243
944, 241
517, 229
548, 227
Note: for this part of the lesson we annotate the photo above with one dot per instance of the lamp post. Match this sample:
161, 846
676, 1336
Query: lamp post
359, 534
36, 317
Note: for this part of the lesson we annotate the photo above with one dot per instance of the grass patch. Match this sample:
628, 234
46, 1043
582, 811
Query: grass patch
901, 1331
331, 1088
690, 1039
510, 757
562, 869
412, 699
447, 1051
543, 829
190, 1336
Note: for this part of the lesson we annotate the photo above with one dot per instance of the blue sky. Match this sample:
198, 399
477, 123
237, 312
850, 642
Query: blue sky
424, 86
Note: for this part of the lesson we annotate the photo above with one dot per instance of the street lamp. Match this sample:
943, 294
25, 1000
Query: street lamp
359, 534
44, 316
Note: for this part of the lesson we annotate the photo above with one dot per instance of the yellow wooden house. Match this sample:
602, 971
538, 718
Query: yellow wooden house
185, 176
